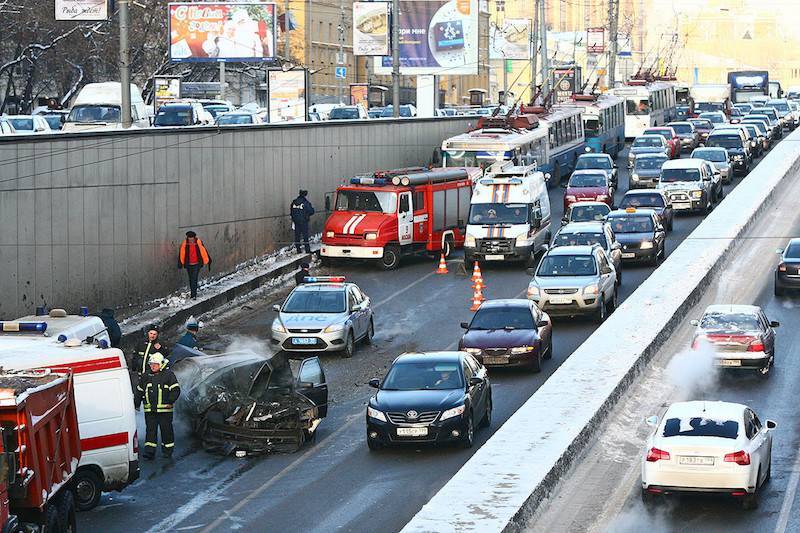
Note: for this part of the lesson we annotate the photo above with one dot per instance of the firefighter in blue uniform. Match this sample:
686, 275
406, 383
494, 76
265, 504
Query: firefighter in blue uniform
301, 211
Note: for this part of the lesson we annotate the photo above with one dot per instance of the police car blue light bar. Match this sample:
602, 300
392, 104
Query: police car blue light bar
368, 181
324, 279
23, 326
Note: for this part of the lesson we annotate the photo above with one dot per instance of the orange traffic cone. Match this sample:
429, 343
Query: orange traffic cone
479, 284
442, 266
477, 297
476, 272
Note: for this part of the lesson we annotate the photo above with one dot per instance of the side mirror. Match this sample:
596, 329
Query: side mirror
616, 246
276, 308
771, 424
327, 203
356, 308
375, 383
305, 385
779, 251
564, 184
774, 324
651, 421
465, 325
475, 380
695, 323
542, 324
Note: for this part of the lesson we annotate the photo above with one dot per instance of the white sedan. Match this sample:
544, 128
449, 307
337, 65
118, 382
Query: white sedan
708, 447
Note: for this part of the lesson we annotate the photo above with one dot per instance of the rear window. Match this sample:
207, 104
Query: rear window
682, 128
503, 317
647, 142
580, 239
793, 251
700, 427
729, 322
642, 200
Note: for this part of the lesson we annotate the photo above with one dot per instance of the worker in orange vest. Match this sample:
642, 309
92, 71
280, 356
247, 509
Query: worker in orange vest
192, 256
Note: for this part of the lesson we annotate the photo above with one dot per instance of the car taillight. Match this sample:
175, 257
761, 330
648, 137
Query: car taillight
782, 267
740, 458
756, 346
696, 343
654, 454
136, 441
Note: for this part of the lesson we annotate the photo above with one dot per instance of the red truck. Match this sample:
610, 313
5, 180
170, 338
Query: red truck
39, 451
390, 214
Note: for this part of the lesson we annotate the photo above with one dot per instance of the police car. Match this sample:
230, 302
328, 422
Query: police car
325, 314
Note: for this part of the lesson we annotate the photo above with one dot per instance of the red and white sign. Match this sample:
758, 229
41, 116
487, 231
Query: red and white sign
595, 40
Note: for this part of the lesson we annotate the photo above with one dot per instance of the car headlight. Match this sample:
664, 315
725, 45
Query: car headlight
523, 240
522, 349
377, 415
533, 291
334, 328
570, 198
591, 289
646, 245
473, 351
450, 413
602, 197
371, 236
278, 328
697, 194
737, 157
329, 234
635, 177
469, 241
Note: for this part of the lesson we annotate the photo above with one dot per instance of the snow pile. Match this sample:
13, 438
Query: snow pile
503, 482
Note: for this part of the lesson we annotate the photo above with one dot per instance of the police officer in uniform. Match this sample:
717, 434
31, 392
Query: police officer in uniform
150, 345
301, 211
157, 391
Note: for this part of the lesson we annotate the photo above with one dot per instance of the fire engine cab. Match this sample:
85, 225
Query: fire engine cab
390, 214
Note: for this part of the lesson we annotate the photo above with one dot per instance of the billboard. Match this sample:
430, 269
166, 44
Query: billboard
165, 89
81, 9
436, 37
287, 96
359, 94
595, 40
371, 29
510, 40
221, 32
566, 82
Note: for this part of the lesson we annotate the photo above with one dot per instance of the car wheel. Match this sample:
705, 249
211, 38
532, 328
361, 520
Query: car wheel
66, 512
619, 277
612, 305
671, 223
750, 501
325, 261
778, 290
448, 247
51, 519
765, 370
370, 332
391, 258
486, 421
769, 472
349, 346
87, 486
469, 436
536, 364
600, 314
373, 444
549, 354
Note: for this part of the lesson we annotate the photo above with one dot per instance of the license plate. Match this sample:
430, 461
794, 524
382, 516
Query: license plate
679, 205
495, 257
729, 362
304, 340
495, 361
412, 432
695, 460
560, 300
628, 255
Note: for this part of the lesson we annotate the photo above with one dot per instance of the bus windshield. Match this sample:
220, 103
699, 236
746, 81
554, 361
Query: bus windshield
461, 158
637, 106
591, 127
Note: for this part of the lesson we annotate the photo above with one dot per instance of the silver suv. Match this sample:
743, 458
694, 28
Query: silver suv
588, 233
575, 280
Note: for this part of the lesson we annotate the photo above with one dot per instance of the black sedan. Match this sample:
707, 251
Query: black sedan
509, 333
433, 397
640, 233
787, 275
650, 199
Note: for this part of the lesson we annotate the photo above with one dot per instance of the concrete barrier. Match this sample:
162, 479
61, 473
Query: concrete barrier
95, 218
499, 488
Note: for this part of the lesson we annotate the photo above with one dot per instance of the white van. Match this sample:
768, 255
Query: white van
509, 215
97, 108
103, 395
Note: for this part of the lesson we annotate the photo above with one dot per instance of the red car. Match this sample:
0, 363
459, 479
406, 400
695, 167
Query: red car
588, 185
673, 141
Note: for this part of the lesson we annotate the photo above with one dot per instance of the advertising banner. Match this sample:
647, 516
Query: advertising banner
81, 9
566, 82
510, 40
165, 89
222, 32
359, 94
287, 96
595, 40
371, 28
436, 37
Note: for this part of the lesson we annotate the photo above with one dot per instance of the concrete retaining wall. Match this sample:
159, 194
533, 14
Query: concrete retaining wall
95, 219
499, 488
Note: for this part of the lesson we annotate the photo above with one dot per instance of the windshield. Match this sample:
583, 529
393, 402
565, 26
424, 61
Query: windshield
715, 118
642, 200
567, 265
783, 107
702, 124
637, 106
590, 162
745, 108
94, 113
649, 163
587, 180
503, 317
588, 213
423, 376
498, 214
173, 117
232, 119
359, 200
460, 158
707, 106
591, 127
216, 110
729, 322
724, 141
631, 224
22, 124
344, 113
315, 301
700, 427
793, 251
762, 130
717, 156
664, 133
682, 128
54, 121
647, 142
580, 239
670, 175
404, 112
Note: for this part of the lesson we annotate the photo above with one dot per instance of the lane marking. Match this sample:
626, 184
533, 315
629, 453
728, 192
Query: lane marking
404, 289
788, 499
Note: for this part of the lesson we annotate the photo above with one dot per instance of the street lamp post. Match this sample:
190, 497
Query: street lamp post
124, 65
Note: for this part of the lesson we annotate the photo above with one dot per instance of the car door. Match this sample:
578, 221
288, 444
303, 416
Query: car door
767, 332
764, 438
477, 393
312, 384
607, 276
660, 231
545, 330
354, 302
757, 443
615, 249
405, 219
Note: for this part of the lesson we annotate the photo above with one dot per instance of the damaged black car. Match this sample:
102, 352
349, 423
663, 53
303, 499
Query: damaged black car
246, 402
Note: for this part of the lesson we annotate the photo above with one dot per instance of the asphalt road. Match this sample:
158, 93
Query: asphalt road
335, 483
602, 493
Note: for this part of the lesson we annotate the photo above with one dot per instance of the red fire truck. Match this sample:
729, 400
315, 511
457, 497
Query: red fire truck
394, 213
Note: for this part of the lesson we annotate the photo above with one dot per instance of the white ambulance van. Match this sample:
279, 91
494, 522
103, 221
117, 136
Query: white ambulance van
509, 216
106, 416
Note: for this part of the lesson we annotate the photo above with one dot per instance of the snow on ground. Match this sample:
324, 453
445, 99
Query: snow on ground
504, 481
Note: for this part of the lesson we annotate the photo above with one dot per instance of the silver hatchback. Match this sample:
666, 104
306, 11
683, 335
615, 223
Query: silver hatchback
326, 314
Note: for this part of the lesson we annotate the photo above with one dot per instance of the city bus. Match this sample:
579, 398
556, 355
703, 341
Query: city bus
646, 105
746, 84
603, 122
